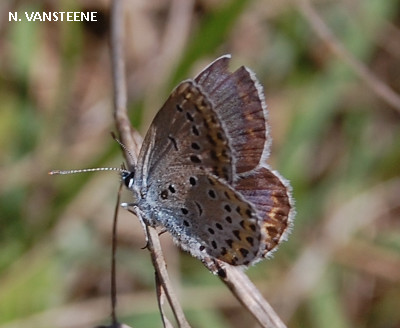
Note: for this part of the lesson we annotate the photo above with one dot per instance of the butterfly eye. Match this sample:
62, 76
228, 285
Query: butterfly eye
128, 178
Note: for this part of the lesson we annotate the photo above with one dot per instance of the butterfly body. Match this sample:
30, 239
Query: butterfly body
202, 175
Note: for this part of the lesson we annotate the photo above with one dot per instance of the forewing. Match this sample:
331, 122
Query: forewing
186, 133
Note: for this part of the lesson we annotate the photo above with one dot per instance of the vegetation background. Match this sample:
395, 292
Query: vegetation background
331, 75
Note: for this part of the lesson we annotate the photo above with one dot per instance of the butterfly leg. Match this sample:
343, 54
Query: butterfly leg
132, 208
162, 231
215, 266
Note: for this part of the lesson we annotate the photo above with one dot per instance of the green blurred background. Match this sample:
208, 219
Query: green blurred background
335, 122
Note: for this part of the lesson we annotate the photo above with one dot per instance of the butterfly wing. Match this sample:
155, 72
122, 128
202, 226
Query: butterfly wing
186, 132
238, 100
207, 217
270, 194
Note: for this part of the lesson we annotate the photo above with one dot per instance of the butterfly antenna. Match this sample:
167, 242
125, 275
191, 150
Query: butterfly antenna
96, 169
121, 170
123, 147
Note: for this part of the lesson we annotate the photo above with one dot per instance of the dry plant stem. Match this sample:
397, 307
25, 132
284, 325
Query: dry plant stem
157, 258
250, 297
113, 252
160, 298
127, 136
121, 118
322, 30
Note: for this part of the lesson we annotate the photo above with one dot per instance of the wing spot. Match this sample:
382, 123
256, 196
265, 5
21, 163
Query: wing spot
184, 210
195, 146
189, 116
195, 159
214, 244
164, 194
186, 223
211, 140
228, 219
211, 231
192, 181
212, 194
237, 234
171, 189
244, 252
250, 240
219, 226
199, 208
229, 242
228, 208
173, 142
195, 131
179, 108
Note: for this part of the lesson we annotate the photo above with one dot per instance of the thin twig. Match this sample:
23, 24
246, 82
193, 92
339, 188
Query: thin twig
127, 135
113, 253
250, 297
380, 88
157, 258
123, 125
160, 298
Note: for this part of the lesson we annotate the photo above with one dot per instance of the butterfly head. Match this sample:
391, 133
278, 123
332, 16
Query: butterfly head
128, 178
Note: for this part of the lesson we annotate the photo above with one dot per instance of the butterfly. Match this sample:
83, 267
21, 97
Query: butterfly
202, 173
